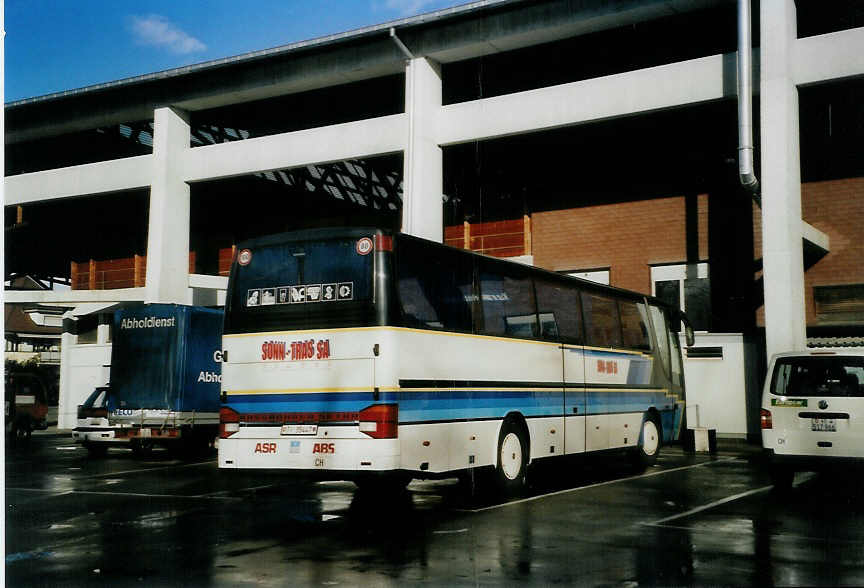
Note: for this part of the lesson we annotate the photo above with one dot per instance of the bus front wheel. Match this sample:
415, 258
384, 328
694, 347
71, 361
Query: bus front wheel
512, 466
648, 447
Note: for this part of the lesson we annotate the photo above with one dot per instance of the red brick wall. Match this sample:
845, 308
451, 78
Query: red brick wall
628, 238
836, 208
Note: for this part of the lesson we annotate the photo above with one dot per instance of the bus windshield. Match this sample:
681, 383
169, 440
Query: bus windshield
301, 283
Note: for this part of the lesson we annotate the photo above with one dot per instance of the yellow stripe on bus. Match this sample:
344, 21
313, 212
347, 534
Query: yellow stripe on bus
439, 334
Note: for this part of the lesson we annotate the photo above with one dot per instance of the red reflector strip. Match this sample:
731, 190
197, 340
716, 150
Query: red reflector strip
299, 417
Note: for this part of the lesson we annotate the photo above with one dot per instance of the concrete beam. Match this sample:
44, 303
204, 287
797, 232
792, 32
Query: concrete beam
472, 30
207, 281
656, 88
88, 179
815, 237
828, 57
366, 138
74, 296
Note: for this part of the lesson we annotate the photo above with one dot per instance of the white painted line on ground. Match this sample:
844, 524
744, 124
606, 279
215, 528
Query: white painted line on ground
797, 482
710, 505
168, 467
223, 492
786, 536
597, 485
134, 494
40, 491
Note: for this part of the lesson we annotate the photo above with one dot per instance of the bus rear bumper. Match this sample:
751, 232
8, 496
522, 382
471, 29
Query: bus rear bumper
310, 454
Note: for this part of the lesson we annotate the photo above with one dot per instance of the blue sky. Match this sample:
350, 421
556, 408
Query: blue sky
55, 45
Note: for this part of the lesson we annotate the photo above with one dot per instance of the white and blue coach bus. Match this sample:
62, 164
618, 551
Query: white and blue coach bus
365, 355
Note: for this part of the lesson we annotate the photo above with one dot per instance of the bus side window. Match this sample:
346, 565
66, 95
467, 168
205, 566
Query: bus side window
507, 295
435, 288
560, 312
602, 325
634, 325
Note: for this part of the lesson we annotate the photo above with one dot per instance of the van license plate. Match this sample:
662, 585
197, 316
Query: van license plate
823, 425
299, 429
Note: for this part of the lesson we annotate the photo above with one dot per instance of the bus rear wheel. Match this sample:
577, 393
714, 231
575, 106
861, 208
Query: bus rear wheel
512, 458
648, 448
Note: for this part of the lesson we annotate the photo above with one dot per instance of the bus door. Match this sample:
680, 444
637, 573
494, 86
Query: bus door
560, 315
573, 361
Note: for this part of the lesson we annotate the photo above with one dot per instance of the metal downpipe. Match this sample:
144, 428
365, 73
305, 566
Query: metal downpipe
746, 173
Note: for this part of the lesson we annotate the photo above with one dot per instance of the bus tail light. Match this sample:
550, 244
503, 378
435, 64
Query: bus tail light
765, 419
229, 422
380, 421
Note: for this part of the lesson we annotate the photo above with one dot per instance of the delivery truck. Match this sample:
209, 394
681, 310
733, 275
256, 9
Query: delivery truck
164, 383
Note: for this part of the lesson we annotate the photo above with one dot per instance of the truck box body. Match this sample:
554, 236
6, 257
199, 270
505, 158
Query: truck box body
165, 358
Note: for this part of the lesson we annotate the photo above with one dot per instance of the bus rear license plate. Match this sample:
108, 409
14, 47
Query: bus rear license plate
825, 425
299, 429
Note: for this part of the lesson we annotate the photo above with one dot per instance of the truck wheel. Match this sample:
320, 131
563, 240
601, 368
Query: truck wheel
21, 430
512, 457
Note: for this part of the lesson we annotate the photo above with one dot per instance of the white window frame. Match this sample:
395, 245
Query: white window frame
676, 272
600, 276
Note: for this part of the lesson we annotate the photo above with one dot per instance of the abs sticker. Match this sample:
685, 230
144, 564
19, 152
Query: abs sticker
364, 246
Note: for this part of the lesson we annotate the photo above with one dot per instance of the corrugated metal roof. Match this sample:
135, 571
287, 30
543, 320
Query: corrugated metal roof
354, 34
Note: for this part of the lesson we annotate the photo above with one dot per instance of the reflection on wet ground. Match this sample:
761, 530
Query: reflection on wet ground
690, 520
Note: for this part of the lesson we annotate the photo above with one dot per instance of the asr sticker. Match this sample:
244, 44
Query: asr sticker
797, 403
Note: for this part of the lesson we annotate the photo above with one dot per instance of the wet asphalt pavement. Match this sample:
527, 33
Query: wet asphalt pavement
689, 520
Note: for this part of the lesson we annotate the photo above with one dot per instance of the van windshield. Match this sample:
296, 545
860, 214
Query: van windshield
819, 376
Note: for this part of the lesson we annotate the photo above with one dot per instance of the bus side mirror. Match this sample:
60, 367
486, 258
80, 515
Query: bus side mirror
689, 335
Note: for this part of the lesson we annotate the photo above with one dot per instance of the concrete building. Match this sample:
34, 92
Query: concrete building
589, 137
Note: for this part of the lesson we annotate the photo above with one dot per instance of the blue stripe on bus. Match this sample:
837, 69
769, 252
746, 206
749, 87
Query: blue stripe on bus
449, 404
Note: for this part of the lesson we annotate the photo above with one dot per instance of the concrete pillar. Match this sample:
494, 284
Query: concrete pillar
422, 205
785, 322
168, 229
68, 339
103, 330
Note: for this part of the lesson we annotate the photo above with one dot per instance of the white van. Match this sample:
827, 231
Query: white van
812, 414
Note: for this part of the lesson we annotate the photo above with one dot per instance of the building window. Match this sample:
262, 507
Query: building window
688, 287
601, 276
839, 305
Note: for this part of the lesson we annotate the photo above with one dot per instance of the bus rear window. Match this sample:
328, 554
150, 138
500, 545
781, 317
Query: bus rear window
818, 376
301, 285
